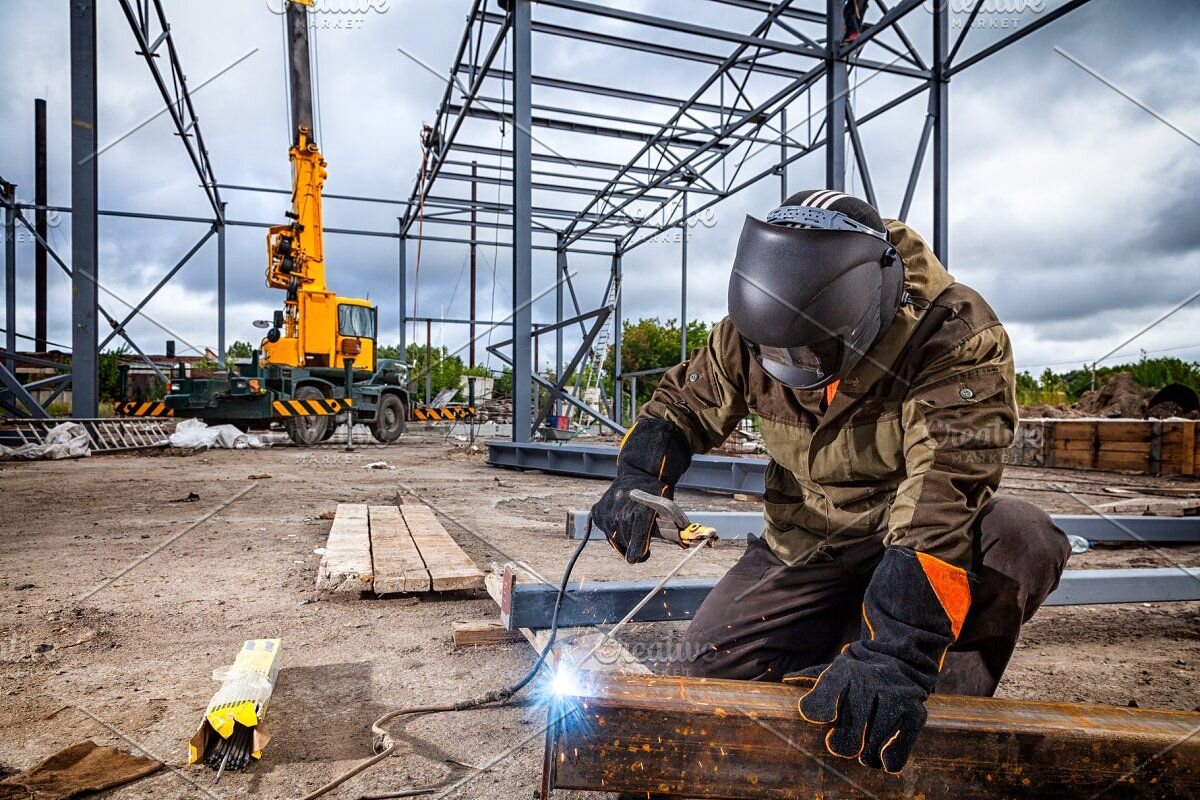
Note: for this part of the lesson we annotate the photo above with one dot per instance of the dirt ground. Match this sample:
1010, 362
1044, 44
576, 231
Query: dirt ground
91, 648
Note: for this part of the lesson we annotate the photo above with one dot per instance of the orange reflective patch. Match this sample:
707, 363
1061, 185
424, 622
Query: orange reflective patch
831, 392
951, 587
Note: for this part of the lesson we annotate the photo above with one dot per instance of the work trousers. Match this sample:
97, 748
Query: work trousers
765, 619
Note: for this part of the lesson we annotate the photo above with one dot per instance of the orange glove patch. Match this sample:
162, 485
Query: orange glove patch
951, 587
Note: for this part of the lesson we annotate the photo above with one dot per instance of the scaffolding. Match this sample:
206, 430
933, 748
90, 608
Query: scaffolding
685, 153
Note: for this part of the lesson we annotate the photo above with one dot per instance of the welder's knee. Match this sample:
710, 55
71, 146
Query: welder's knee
1020, 541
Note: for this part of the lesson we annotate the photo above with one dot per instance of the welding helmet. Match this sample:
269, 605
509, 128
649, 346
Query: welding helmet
814, 287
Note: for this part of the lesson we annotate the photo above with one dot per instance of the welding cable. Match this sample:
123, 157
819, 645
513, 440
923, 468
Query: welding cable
384, 745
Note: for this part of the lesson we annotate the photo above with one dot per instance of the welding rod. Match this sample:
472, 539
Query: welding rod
696, 548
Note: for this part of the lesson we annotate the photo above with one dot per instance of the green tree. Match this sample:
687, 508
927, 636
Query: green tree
109, 367
445, 370
652, 344
239, 349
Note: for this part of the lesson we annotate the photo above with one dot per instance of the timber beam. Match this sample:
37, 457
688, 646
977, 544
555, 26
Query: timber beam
740, 739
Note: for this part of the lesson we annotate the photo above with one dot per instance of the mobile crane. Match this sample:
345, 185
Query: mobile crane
319, 356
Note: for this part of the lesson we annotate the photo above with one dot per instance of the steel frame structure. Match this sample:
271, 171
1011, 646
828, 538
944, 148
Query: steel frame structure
689, 152
696, 150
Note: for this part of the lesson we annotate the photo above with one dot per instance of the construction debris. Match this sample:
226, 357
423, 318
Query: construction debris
67, 440
193, 434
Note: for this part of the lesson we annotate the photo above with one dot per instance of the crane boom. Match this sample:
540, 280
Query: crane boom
316, 328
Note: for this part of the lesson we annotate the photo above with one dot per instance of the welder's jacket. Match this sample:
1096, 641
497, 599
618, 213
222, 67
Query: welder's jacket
912, 444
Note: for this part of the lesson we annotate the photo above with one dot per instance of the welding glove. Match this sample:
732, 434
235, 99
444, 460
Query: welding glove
873, 694
653, 457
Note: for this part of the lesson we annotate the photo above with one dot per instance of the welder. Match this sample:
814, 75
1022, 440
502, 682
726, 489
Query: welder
884, 390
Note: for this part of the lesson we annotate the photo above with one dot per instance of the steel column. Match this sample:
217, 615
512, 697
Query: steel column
9, 191
472, 256
683, 266
783, 157
85, 378
522, 218
221, 288
940, 89
402, 287
837, 85
39, 224
10, 268
618, 324
560, 278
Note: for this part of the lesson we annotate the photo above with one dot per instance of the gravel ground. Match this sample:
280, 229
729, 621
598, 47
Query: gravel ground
84, 637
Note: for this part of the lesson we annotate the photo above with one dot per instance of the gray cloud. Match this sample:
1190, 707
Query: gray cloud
1072, 210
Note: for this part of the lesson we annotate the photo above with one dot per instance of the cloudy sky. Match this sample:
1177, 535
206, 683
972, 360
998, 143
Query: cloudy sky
1074, 211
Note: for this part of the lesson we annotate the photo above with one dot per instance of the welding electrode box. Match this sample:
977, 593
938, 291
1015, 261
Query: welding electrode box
246, 686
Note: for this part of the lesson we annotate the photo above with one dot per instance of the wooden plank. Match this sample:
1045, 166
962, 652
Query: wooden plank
346, 564
1125, 431
449, 567
398, 564
482, 633
741, 739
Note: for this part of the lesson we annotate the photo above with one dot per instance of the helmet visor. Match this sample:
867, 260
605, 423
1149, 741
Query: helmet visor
805, 367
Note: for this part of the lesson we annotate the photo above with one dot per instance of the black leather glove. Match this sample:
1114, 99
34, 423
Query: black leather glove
874, 692
654, 455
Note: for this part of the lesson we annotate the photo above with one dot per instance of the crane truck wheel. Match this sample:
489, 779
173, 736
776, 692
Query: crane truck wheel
306, 431
389, 419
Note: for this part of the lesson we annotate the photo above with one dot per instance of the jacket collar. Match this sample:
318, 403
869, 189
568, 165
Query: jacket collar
924, 279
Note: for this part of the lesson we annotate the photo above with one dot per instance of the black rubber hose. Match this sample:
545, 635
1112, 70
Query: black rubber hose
385, 745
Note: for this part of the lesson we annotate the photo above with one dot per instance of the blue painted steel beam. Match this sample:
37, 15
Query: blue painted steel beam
531, 605
1093, 527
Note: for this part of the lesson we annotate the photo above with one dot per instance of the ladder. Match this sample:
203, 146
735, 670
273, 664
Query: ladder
105, 435
595, 359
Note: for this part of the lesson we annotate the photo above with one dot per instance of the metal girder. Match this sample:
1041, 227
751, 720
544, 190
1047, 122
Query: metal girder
680, 26
673, 736
11, 386
719, 473
582, 127
531, 605
174, 91
1093, 527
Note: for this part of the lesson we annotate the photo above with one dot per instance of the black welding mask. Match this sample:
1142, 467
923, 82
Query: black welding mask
811, 291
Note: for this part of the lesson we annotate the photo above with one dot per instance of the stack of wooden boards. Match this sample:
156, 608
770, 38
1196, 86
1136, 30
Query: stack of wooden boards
1151, 447
389, 549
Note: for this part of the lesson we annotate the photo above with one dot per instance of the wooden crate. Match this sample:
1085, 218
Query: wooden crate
1151, 447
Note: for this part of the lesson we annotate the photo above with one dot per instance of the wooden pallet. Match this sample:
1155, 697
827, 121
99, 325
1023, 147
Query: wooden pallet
389, 550
1150, 447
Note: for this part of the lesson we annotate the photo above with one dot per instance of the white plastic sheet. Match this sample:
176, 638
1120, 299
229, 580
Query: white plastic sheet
68, 440
193, 434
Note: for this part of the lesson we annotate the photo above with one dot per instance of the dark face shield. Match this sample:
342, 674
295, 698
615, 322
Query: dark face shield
806, 367
812, 301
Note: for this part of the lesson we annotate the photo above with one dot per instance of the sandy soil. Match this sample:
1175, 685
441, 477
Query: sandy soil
92, 649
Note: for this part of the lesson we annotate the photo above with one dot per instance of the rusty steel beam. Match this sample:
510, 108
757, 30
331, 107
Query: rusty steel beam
737, 739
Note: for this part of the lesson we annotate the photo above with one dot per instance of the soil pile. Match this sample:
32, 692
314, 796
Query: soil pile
1120, 396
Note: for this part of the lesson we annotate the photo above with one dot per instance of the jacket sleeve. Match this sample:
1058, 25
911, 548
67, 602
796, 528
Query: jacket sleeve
959, 419
704, 396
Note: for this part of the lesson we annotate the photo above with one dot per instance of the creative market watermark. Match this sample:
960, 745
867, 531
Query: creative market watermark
334, 14
988, 14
